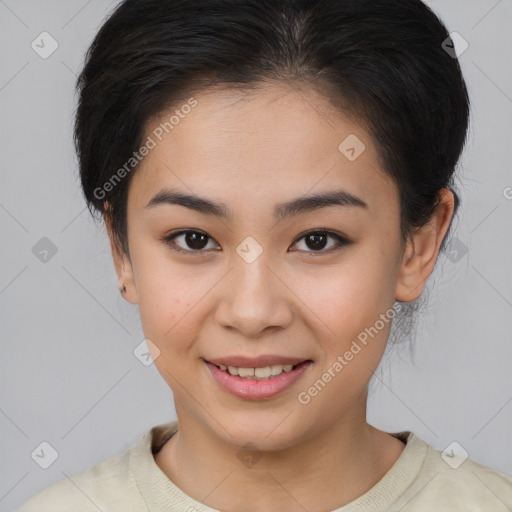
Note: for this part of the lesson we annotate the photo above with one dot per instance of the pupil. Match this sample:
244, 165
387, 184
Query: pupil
195, 240
314, 241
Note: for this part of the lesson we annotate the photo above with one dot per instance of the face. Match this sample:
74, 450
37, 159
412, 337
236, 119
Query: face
267, 271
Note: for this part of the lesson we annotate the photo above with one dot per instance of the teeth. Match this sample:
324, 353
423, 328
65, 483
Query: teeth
246, 372
276, 369
257, 373
263, 373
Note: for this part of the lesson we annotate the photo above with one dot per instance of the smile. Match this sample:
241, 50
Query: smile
258, 382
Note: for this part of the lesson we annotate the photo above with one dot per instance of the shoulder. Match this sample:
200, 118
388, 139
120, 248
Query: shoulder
106, 486
449, 481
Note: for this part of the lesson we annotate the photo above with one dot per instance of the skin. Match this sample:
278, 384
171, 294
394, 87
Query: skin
251, 152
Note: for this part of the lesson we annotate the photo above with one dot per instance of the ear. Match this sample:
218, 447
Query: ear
122, 264
422, 250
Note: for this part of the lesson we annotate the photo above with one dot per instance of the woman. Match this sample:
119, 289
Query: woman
276, 179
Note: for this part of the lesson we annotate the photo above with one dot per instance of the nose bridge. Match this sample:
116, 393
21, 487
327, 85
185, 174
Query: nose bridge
252, 275
253, 298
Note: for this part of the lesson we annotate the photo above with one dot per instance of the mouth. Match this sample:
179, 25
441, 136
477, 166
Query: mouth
259, 373
257, 378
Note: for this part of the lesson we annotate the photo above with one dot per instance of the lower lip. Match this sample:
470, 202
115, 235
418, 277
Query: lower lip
254, 389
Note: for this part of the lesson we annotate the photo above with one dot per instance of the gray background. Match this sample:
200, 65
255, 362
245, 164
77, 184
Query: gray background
68, 372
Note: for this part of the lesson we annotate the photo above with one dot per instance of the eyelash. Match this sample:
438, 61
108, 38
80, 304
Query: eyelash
341, 241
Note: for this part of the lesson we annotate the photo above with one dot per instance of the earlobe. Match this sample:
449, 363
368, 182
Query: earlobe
123, 266
422, 250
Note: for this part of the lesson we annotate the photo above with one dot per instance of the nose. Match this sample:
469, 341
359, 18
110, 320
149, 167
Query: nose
254, 299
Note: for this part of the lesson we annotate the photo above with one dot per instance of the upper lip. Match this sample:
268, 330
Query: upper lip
256, 362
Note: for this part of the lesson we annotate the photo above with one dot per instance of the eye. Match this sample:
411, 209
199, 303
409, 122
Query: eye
317, 241
192, 241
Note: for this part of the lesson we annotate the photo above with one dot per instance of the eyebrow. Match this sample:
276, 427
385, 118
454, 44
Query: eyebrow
281, 211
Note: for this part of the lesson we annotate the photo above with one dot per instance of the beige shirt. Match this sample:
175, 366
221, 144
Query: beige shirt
419, 481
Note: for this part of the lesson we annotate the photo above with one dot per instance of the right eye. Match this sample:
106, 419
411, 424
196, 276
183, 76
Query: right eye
192, 241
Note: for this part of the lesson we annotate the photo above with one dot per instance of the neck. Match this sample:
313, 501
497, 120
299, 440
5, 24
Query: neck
323, 472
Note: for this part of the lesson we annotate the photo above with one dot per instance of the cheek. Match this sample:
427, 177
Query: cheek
348, 297
165, 295
350, 300
351, 305
161, 304
173, 301
167, 317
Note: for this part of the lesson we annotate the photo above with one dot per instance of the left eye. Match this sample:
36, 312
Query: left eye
196, 241
317, 241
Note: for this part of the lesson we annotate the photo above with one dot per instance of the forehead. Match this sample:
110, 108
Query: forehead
276, 142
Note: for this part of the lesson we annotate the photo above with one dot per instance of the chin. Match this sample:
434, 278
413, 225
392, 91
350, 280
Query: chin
266, 431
